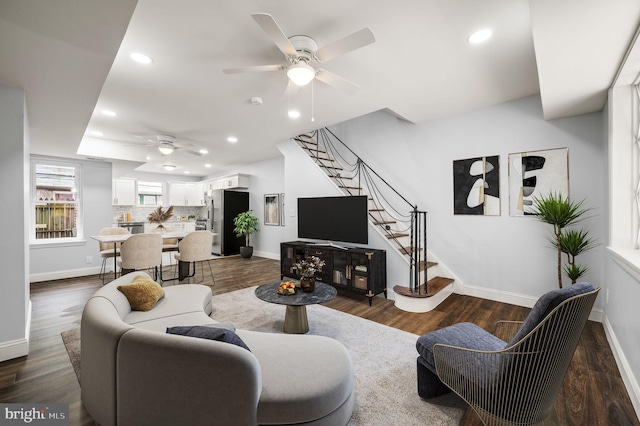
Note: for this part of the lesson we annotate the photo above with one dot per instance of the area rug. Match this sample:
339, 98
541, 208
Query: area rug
384, 359
71, 340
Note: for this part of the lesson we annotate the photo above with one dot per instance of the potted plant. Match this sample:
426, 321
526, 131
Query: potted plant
560, 212
160, 216
245, 224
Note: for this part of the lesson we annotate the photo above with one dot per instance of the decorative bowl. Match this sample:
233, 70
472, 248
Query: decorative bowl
287, 288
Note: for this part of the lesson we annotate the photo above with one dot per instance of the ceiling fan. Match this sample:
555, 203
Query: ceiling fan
301, 51
166, 144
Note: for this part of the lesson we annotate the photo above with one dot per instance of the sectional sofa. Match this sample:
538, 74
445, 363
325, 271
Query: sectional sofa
134, 373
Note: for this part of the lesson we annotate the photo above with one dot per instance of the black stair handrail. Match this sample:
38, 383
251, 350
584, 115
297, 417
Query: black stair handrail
417, 219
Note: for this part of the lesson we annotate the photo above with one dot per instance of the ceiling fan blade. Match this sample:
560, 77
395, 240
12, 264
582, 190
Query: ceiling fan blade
345, 45
272, 29
336, 81
192, 151
257, 68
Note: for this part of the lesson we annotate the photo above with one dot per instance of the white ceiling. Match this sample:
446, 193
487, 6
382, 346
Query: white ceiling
72, 57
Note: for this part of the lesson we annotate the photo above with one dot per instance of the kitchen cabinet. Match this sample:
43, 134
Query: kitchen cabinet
172, 226
123, 192
354, 270
186, 194
195, 194
235, 181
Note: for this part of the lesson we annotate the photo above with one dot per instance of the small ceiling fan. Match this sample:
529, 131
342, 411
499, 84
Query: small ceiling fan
301, 51
166, 144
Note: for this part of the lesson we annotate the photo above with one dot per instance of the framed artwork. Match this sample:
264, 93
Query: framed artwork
272, 209
535, 174
282, 214
476, 186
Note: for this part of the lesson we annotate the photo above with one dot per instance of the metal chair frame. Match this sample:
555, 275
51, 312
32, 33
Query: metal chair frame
519, 384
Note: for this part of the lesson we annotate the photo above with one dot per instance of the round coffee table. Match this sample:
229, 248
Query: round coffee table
295, 318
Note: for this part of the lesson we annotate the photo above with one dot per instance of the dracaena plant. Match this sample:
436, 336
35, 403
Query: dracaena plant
561, 213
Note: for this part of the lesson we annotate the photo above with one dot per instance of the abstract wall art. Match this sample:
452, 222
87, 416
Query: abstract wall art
534, 174
476, 186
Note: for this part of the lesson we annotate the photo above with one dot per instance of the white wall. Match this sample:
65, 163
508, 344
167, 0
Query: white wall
14, 257
266, 177
69, 260
501, 254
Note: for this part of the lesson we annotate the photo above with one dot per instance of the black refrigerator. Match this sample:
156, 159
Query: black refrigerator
224, 206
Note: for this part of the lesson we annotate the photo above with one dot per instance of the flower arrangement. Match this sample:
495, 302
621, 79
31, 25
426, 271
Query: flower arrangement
160, 216
309, 267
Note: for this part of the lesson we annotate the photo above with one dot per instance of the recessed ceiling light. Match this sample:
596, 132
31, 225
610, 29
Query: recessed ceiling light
97, 133
186, 172
207, 165
203, 151
141, 58
232, 139
109, 113
148, 157
480, 36
294, 114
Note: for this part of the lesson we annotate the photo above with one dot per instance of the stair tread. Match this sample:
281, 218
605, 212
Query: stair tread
348, 187
330, 167
396, 235
387, 222
407, 250
434, 286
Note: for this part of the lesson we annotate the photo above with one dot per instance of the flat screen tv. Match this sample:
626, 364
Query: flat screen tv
343, 219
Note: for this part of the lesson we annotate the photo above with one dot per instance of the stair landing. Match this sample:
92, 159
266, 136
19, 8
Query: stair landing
439, 288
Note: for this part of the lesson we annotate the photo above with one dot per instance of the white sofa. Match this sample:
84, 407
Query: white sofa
134, 373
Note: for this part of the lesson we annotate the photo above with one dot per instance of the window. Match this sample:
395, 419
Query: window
149, 193
55, 199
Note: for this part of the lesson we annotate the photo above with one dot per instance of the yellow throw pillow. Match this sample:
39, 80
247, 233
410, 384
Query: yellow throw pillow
143, 293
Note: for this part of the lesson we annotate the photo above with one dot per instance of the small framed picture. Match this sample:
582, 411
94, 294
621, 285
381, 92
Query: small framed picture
272, 209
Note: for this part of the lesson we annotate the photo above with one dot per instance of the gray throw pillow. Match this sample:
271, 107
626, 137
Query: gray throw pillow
211, 332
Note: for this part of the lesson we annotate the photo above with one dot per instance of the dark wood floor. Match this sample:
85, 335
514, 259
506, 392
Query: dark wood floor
592, 392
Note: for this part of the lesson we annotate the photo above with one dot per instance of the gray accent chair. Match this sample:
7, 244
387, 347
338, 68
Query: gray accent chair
512, 376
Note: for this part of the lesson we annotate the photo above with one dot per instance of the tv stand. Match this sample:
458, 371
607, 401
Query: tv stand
349, 269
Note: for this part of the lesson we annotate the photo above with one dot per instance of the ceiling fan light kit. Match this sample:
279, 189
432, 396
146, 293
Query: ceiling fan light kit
165, 148
301, 73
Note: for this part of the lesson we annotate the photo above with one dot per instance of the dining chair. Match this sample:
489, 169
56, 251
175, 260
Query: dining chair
141, 252
169, 245
195, 247
107, 250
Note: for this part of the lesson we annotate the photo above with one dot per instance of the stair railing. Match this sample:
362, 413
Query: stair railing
387, 201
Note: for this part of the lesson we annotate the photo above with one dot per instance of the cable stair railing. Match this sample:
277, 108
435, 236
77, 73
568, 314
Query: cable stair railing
401, 222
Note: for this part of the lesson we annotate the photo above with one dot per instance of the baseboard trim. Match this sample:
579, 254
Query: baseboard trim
513, 298
626, 372
274, 256
19, 347
58, 275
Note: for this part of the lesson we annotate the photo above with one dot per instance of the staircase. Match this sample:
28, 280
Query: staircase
393, 217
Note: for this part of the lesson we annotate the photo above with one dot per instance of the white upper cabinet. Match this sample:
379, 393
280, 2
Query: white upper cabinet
186, 194
123, 192
195, 194
228, 182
